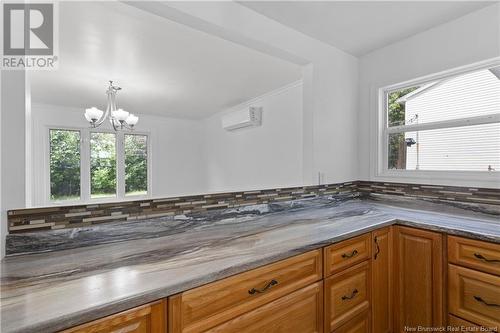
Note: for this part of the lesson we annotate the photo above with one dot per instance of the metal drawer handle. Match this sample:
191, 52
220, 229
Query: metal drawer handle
354, 293
269, 285
352, 254
378, 248
480, 256
479, 299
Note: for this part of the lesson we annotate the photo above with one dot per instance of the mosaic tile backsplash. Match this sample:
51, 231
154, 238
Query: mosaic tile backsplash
63, 217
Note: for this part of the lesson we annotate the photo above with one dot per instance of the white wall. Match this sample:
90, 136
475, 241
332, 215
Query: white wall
330, 78
466, 40
176, 150
260, 157
12, 149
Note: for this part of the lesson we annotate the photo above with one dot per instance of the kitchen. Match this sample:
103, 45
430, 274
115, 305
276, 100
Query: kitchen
276, 167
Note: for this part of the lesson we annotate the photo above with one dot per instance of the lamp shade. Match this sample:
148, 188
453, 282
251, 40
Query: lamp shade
120, 115
93, 114
132, 120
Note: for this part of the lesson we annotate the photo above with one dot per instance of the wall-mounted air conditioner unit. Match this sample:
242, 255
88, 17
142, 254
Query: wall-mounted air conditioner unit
249, 117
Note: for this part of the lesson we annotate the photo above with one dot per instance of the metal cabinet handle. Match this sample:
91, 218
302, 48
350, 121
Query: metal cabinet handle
479, 299
480, 256
354, 293
352, 254
377, 250
269, 285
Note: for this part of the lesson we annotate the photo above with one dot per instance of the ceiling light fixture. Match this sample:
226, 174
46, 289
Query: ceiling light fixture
119, 118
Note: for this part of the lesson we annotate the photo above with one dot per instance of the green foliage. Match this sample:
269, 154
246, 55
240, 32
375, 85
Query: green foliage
136, 167
102, 164
396, 117
64, 164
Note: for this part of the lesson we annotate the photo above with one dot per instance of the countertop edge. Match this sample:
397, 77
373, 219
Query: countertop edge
113, 307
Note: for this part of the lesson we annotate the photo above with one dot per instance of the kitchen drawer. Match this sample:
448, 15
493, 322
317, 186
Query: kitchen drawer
474, 296
359, 324
475, 254
207, 306
298, 312
346, 253
460, 325
347, 294
150, 318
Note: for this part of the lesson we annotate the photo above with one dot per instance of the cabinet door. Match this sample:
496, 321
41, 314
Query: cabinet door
419, 278
298, 312
347, 294
149, 318
382, 284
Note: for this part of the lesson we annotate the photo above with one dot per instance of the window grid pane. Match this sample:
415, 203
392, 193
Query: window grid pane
64, 164
136, 164
102, 165
464, 148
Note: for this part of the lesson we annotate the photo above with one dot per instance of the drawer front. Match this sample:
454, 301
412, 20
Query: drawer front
300, 311
346, 253
347, 294
475, 254
474, 296
460, 325
204, 307
359, 324
150, 318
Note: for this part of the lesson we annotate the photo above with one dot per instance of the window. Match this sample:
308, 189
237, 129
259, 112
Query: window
102, 165
64, 165
448, 124
136, 164
86, 165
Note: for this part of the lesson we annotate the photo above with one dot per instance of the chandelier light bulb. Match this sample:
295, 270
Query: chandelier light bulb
93, 114
132, 120
120, 115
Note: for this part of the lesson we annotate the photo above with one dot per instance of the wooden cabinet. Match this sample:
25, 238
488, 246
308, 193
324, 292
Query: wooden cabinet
382, 280
475, 254
149, 318
418, 278
203, 308
347, 253
474, 282
347, 294
474, 296
300, 311
359, 324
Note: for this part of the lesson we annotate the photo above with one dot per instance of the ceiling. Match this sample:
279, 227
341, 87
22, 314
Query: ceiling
359, 27
163, 67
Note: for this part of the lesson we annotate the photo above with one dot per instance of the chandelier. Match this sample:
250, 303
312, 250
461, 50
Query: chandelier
119, 118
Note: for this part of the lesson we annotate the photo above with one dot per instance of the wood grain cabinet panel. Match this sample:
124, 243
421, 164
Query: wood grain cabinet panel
149, 318
202, 308
382, 284
298, 312
418, 278
461, 325
347, 253
347, 294
358, 324
475, 254
474, 296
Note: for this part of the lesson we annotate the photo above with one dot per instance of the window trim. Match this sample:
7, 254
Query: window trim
85, 197
381, 169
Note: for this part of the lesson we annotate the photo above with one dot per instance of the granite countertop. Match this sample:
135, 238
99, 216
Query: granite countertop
131, 264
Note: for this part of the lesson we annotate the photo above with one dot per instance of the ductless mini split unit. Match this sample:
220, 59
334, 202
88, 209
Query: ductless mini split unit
249, 117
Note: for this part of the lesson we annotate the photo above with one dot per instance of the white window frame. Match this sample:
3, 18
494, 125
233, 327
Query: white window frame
85, 197
382, 171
